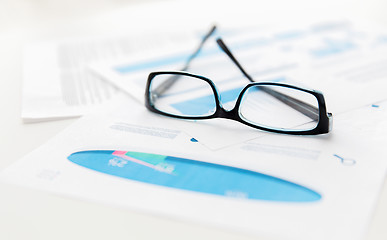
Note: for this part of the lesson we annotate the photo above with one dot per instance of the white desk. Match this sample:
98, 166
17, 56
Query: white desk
30, 214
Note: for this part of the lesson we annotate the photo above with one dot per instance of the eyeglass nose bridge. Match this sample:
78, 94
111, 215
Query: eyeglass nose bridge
222, 112
228, 114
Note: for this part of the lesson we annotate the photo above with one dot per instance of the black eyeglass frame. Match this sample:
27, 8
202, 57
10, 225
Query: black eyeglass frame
323, 125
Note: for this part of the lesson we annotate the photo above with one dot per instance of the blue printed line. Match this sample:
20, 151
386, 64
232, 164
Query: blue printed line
338, 157
257, 42
181, 58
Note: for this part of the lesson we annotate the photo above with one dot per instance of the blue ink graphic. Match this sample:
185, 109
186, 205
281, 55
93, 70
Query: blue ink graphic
332, 47
382, 39
345, 161
192, 175
290, 35
194, 140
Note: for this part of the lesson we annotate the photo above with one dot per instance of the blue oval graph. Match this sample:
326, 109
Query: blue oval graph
192, 175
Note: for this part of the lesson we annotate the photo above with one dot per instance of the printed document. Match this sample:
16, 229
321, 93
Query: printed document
310, 187
341, 58
57, 83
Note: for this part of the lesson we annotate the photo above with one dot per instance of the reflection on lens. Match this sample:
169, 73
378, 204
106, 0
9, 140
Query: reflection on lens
278, 107
182, 95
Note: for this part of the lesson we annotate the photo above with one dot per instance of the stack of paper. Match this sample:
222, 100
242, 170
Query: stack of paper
221, 172
57, 83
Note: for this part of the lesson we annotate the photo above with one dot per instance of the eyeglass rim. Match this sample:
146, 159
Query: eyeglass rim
323, 126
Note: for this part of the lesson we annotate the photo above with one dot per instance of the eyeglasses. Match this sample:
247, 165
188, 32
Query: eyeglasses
268, 106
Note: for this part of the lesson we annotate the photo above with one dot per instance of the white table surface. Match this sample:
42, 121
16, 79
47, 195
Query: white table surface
31, 214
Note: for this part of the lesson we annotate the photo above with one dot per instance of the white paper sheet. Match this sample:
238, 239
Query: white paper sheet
57, 83
343, 59
346, 168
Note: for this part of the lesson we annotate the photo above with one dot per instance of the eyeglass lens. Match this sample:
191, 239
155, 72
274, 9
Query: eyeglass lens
187, 96
272, 107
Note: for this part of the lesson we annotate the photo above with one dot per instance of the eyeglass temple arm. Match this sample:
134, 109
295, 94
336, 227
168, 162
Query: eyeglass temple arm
302, 107
170, 81
204, 39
